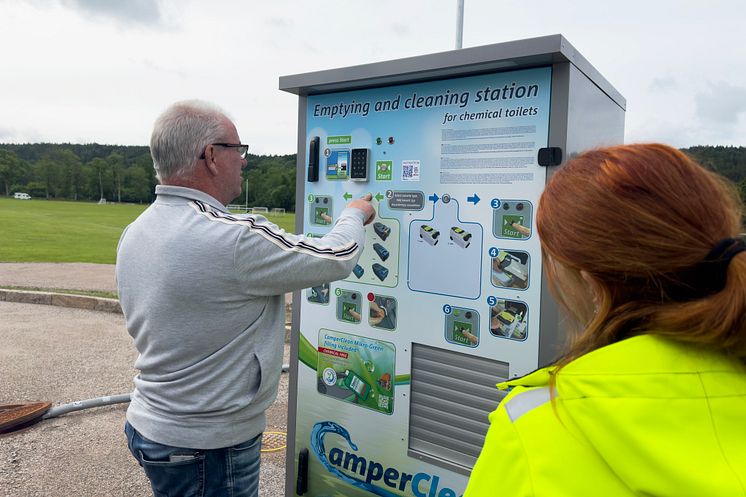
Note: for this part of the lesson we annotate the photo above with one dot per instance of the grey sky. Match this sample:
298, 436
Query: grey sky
145, 12
102, 70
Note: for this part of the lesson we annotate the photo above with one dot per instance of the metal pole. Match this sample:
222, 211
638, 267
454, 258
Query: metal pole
246, 204
459, 24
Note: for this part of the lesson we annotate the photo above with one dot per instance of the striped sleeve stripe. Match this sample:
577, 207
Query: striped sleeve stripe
271, 235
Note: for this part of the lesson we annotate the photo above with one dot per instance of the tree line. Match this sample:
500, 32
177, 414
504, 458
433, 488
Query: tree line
125, 173
726, 161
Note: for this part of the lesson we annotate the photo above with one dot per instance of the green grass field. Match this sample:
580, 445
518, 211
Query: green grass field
57, 231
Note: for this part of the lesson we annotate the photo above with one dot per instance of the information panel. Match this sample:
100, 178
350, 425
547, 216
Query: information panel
451, 261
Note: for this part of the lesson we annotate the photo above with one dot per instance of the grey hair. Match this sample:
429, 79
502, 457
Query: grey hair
180, 135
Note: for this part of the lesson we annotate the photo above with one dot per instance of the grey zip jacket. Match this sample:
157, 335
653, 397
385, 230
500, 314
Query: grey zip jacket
202, 292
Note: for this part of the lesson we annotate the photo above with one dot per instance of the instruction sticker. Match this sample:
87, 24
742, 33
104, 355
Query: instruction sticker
462, 326
508, 319
357, 370
512, 219
337, 164
510, 268
384, 170
349, 306
318, 294
406, 200
382, 311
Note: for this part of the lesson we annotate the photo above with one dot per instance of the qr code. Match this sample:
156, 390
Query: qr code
383, 402
410, 170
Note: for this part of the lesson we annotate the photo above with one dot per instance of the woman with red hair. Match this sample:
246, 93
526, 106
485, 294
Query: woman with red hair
642, 248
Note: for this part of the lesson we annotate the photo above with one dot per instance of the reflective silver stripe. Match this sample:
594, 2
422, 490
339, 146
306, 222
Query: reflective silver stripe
526, 401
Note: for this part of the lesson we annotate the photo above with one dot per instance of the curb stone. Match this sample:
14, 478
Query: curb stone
85, 302
62, 300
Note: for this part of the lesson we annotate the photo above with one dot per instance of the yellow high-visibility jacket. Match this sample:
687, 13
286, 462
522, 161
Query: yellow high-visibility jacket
642, 417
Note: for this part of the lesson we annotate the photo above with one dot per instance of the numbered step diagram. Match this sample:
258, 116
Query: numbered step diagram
509, 268
349, 306
379, 264
445, 252
508, 318
320, 210
318, 294
382, 311
461, 326
512, 219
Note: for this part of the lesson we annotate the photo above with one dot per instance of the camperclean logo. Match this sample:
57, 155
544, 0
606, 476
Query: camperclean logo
362, 473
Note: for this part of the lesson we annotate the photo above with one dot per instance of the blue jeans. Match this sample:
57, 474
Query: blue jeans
181, 472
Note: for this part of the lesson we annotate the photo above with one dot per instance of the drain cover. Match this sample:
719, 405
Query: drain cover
274, 440
17, 415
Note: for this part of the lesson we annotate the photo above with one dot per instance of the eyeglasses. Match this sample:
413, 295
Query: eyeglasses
243, 150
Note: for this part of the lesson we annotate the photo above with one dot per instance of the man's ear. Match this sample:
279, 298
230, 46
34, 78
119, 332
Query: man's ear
212, 166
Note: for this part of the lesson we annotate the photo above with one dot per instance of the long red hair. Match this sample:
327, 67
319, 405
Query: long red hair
635, 219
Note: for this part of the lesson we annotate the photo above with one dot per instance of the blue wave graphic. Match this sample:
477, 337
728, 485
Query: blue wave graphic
317, 444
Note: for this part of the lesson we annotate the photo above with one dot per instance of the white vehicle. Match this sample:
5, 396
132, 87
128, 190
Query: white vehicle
22, 196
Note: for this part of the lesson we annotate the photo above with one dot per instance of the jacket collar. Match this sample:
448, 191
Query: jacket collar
188, 194
623, 367
538, 378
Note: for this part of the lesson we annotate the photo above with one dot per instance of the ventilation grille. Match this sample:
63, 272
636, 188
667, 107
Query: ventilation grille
452, 395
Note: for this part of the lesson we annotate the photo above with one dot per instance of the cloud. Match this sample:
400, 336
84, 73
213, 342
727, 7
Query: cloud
6, 134
663, 84
280, 22
713, 124
151, 64
671, 132
400, 29
721, 104
14, 135
142, 12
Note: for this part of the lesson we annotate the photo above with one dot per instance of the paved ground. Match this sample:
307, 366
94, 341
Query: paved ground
73, 276
62, 355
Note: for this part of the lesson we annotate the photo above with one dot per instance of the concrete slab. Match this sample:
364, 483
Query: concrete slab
63, 355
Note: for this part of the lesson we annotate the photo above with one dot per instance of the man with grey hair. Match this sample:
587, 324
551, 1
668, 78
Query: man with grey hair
202, 291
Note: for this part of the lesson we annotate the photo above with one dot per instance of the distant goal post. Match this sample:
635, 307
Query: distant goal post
238, 208
275, 211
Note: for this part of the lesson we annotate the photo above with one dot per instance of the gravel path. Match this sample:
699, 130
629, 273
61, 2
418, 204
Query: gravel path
68, 276
65, 276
